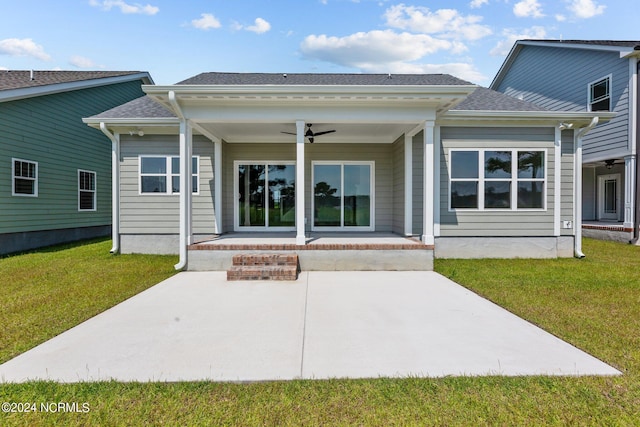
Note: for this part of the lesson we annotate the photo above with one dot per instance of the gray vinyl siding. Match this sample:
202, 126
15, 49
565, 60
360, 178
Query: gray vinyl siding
558, 79
496, 223
381, 154
567, 188
160, 214
398, 186
49, 130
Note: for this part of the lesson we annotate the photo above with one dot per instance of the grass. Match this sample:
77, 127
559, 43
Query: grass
593, 303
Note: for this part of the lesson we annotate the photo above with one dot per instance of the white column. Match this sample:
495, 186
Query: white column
428, 204
629, 183
300, 237
408, 185
557, 176
217, 185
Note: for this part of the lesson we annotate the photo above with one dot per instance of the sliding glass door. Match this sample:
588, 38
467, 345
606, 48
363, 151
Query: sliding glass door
343, 196
266, 196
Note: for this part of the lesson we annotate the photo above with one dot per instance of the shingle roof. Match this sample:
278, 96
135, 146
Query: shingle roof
140, 108
10, 79
483, 99
321, 79
620, 43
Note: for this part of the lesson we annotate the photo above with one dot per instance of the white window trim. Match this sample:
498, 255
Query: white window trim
94, 191
236, 192
168, 175
514, 181
590, 101
372, 207
13, 178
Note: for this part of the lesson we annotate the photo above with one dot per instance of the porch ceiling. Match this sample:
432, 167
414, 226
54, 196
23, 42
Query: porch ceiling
344, 132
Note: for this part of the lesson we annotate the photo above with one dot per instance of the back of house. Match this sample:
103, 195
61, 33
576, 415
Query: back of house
588, 75
55, 174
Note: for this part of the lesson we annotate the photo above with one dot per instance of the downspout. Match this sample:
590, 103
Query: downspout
183, 227
115, 187
636, 219
577, 248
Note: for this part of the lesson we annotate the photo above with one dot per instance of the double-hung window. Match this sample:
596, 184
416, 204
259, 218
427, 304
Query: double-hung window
600, 95
86, 190
161, 174
497, 179
24, 180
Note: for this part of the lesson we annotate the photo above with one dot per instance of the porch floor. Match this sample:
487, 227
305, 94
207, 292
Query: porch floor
322, 251
314, 241
605, 225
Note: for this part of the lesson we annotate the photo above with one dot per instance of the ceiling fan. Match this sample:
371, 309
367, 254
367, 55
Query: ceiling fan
311, 134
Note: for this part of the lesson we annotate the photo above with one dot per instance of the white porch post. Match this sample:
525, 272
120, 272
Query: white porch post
217, 182
408, 185
300, 237
629, 183
428, 203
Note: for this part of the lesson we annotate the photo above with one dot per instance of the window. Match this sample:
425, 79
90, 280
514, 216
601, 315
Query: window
600, 95
161, 174
497, 179
343, 195
25, 178
86, 190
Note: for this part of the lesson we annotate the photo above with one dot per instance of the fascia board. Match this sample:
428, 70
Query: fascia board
511, 56
544, 43
165, 121
30, 92
549, 116
290, 90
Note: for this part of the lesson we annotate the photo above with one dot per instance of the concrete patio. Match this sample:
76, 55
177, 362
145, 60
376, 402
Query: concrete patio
198, 326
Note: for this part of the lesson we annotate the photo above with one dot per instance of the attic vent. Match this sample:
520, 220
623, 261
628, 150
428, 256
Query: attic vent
31, 76
284, 75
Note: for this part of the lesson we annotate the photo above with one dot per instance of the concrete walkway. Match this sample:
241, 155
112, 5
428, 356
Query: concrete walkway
198, 326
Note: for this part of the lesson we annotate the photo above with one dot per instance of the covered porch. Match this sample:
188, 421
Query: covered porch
267, 130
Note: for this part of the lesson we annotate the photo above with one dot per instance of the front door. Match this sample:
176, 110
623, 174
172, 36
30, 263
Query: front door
609, 197
265, 196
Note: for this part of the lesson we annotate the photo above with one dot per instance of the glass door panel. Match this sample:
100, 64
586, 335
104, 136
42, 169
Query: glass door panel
327, 195
251, 202
282, 202
610, 193
357, 196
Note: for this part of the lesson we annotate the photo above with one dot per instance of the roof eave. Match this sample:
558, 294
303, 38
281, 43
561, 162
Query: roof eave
30, 92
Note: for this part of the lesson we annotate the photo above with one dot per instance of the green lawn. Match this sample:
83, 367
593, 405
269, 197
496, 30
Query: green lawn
593, 303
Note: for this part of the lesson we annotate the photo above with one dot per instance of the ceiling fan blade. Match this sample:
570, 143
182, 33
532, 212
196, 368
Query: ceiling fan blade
324, 133
289, 133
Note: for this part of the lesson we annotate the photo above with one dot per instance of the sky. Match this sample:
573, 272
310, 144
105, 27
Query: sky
177, 39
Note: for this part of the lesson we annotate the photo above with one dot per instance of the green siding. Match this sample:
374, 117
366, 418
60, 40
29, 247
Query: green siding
49, 130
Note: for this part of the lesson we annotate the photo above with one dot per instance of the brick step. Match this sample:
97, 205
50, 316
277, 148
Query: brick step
265, 259
263, 272
268, 266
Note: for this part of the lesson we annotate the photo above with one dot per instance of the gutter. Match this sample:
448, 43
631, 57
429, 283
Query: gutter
115, 184
577, 174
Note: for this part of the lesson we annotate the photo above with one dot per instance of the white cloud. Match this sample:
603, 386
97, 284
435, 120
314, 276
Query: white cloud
528, 9
206, 22
82, 62
504, 46
260, 26
560, 18
475, 4
586, 8
366, 50
125, 8
23, 47
448, 23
